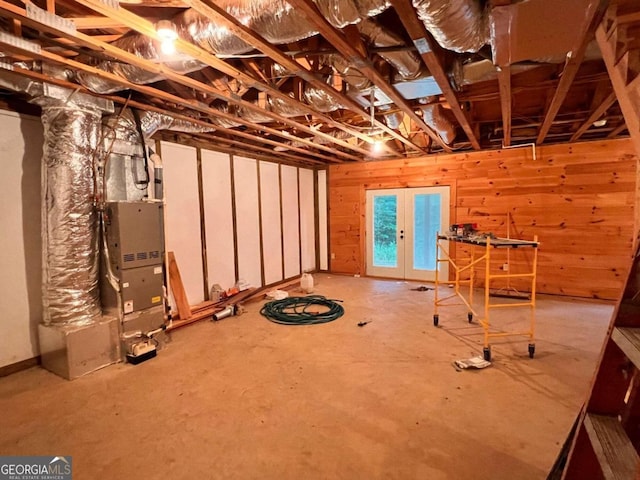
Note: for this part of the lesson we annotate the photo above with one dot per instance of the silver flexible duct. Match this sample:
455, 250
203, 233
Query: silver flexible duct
434, 115
457, 25
322, 100
394, 120
275, 20
408, 64
70, 293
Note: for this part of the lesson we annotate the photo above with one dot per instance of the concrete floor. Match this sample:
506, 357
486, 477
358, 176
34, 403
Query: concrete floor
249, 399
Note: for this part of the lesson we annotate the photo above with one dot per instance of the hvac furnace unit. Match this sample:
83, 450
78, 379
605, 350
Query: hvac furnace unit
135, 247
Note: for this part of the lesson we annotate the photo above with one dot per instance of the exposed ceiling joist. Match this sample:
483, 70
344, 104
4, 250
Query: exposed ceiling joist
595, 115
593, 16
333, 36
427, 48
147, 28
11, 10
211, 10
504, 84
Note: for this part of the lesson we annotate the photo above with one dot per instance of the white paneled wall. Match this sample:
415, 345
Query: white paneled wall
290, 224
271, 225
182, 216
273, 234
20, 244
216, 186
247, 220
307, 221
323, 225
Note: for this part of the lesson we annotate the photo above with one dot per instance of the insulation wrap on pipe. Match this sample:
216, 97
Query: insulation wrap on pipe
457, 25
69, 221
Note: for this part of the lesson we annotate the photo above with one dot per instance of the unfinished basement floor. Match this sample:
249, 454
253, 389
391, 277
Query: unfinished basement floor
249, 399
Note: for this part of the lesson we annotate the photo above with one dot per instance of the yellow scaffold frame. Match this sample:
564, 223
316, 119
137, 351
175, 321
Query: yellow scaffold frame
477, 242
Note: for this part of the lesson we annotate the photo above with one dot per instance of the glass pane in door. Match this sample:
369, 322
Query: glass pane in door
426, 223
385, 216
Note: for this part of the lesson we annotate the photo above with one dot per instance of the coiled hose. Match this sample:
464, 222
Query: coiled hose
300, 311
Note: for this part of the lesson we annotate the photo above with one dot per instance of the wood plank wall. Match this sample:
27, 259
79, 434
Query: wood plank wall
578, 199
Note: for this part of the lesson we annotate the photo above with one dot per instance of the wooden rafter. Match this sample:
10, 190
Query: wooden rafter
12, 11
147, 28
618, 130
296, 67
504, 83
167, 97
179, 116
595, 115
313, 15
594, 13
427, 49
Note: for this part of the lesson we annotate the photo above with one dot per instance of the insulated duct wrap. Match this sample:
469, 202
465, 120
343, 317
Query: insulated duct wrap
407, 63
275, 20
70, 293
457, 25
394, 120
284, 108
321, 100
151, 122
435, 116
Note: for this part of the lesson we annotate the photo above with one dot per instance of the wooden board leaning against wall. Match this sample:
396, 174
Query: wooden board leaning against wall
577, 198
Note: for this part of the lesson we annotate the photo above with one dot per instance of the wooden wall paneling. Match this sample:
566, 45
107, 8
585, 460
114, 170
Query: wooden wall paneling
290, 220
271, 222
307, 220
217, 200
578, 199
182, 216
247, 220
323, 214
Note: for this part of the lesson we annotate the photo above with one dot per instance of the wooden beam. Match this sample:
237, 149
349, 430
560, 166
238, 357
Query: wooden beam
627, 94
145, 27
504, 83
147, 107
628, 18
426, 48
593, 15
96, 23
85, 40
309, 10
618, 130
210, 10
595, 115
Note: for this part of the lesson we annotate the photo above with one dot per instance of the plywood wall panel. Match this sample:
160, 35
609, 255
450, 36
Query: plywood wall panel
247, 220
578, 199
307, 220
271, 225
323, 221
218, 212
290, 220
182, 216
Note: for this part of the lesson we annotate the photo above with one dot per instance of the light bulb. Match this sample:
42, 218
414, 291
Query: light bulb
377, 147
168, 47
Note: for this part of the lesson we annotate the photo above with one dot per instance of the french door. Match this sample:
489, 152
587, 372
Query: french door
401, 231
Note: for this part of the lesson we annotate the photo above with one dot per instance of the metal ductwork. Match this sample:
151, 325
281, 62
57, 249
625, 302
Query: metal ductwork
408, 65
320, 99
435, 116
70, 292
457, 25
394, 120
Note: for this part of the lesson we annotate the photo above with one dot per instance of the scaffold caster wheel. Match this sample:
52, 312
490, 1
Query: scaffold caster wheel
470, 317
486, 352
532, 349
436, 318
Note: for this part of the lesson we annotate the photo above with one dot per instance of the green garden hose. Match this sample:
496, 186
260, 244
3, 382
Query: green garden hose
309, 310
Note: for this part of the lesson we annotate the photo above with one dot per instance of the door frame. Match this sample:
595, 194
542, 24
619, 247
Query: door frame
447, 211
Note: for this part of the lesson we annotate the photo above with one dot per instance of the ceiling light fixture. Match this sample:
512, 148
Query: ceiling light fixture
600, 123
167, 34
